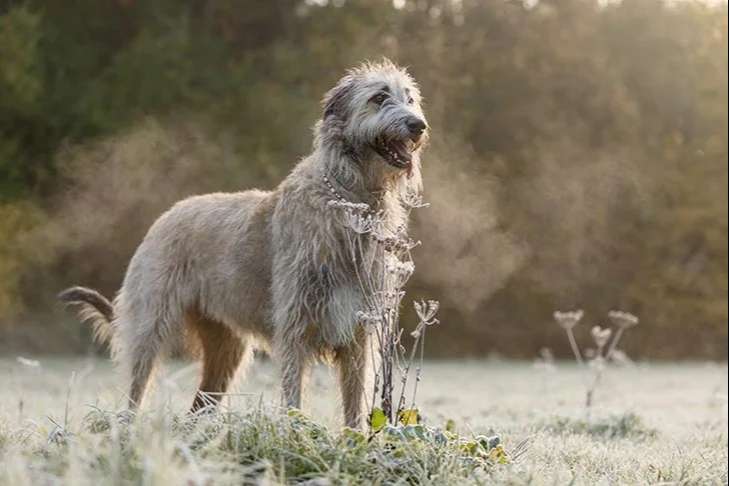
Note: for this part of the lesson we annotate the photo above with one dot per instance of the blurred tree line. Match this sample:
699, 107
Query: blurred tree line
578, 156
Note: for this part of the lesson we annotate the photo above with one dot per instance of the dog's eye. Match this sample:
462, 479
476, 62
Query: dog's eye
379, 98
410, 100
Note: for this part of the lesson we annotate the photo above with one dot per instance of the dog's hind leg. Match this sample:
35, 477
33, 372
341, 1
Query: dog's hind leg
142, 356
142, 371
142, 332
223, 352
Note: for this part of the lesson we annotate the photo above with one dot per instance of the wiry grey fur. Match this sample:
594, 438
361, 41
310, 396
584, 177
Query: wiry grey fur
271, 268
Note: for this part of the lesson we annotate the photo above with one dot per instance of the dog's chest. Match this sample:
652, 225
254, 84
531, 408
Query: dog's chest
344, 259
346, 272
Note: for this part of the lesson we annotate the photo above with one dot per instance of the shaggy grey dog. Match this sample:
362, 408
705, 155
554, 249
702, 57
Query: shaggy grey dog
235, 271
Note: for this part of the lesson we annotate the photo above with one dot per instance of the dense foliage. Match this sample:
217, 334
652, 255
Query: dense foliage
579, 149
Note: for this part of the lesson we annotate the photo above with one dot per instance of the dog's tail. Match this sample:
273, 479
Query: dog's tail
93, 308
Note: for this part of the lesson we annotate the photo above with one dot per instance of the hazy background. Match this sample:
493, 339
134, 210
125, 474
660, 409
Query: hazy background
578, 155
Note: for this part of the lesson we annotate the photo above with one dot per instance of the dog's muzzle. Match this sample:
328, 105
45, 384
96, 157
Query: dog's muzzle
399, 153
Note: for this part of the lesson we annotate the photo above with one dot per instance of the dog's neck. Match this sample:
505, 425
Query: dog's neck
351, 176
357, 173
330, 185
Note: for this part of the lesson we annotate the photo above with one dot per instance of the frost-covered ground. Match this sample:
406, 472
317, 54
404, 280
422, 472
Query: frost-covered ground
652, 423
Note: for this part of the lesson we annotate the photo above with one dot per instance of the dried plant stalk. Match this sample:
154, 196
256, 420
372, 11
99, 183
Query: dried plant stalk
383, 264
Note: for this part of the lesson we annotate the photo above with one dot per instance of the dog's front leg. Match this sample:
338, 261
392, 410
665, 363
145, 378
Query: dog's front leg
354, 364
294, 369
290, 341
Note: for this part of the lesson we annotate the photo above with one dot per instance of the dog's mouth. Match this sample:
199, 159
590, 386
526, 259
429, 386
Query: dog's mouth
397, 153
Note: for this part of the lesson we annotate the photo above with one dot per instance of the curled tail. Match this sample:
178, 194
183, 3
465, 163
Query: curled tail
94, 308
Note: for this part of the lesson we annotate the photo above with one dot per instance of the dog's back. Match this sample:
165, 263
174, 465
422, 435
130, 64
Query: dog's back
208, 254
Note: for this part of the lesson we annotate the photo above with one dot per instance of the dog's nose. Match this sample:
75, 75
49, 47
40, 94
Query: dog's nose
416, 125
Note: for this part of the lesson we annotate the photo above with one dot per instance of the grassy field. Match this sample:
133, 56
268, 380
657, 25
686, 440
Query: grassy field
652, 424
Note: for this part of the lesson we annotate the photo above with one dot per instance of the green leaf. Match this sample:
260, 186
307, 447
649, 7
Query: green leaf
295, 413
353, 437
488, 443
450, 425
440, 438
409, 416
469, 447
415, 432
499, 455
394, 433
377, 419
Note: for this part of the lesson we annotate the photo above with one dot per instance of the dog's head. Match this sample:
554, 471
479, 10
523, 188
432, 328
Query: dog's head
375, 112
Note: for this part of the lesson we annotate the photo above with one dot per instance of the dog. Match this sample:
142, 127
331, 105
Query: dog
234, 272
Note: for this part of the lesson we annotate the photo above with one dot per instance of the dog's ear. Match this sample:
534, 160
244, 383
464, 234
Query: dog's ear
336, 99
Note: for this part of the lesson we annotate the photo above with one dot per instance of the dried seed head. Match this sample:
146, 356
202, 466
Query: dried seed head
370, 320
360, 223
413, 200
601, 336
568, 319
623, 320
426, 310
400, 271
